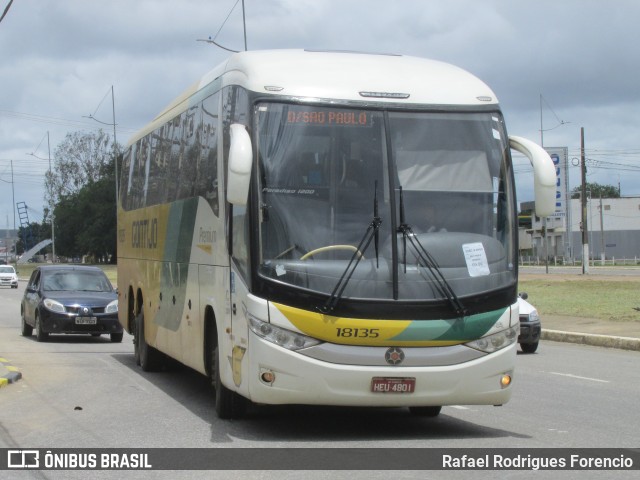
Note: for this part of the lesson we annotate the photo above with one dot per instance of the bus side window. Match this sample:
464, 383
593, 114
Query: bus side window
207, 181
187, 184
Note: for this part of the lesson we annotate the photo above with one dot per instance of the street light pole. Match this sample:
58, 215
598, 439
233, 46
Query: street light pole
115, 142
53, 228
583, 189
51, 206
13, 199
544, 220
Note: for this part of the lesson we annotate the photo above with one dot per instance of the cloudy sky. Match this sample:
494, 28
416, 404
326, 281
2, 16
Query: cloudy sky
573, 63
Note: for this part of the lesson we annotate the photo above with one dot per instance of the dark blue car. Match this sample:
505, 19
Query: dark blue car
70, 299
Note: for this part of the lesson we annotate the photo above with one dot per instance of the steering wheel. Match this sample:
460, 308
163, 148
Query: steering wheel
329, 248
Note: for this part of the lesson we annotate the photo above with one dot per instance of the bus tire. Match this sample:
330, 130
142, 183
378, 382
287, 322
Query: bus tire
425, 411
146, 356
229, 405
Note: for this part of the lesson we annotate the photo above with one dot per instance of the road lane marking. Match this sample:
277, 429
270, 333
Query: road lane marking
579, 377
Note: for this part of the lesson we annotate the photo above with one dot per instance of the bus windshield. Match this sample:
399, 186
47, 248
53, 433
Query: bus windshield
440, 183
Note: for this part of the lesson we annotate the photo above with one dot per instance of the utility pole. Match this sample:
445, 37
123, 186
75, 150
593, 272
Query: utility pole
115, 143
603, 257
53, 228
544, 219
583, 197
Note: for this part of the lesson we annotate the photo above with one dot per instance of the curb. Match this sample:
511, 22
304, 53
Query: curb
8, 373
624, 343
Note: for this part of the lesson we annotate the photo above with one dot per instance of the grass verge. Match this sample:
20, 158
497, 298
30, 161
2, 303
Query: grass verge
604, 298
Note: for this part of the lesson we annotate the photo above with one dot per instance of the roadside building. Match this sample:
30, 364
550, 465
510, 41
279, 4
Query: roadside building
613, 226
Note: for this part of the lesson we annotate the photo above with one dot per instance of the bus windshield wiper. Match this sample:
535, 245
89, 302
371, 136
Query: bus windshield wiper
370, 234
426, 260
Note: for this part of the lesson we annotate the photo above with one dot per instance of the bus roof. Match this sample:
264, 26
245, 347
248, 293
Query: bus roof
343, 76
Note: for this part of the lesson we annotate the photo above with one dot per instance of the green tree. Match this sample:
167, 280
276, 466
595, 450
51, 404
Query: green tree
81, 191
86, 220
81, 158
34, 233
597, 191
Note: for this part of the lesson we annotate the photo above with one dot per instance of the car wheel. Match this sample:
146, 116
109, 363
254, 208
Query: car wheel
146, 356
425, 411
41, 335
116, 337
229, 404
529, 347
27, 329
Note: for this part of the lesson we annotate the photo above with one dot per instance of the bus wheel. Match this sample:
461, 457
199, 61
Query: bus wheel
425, 411
228, 403
146, 356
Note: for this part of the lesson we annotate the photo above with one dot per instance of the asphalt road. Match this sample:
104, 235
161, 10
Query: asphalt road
80, 391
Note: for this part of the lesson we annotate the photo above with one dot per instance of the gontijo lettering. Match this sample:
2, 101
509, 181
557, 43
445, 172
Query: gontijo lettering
144, 233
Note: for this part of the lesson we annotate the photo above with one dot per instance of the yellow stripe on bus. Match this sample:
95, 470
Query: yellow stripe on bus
369, 332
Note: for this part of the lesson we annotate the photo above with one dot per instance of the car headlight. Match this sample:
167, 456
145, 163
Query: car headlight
54, 305
112, 307
531, 317
281, 336
497, 341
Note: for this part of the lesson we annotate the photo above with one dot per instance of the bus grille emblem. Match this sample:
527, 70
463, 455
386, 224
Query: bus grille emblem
394, 356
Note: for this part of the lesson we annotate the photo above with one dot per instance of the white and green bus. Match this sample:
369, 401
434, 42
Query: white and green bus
328, 228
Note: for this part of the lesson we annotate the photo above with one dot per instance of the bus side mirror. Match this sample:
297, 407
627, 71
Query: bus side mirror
240, 161
544, 174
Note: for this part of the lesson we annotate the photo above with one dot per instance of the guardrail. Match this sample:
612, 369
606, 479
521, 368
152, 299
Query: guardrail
560, 261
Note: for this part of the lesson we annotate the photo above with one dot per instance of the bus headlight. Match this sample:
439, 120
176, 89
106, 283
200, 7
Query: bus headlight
495, 342
281, 336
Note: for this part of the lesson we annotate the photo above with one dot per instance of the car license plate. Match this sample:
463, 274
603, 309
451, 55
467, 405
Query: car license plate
86, 320
393, 384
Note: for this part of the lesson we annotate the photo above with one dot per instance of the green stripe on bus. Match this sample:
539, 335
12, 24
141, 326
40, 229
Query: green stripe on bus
468, 328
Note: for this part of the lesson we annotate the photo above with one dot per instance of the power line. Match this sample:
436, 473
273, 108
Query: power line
6, 10
59, 121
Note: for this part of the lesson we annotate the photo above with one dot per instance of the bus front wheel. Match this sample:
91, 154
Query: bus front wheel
229, 404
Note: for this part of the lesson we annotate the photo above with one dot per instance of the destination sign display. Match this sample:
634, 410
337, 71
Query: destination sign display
326, 117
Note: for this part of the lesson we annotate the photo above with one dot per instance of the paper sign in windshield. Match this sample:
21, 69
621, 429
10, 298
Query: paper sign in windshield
476, 259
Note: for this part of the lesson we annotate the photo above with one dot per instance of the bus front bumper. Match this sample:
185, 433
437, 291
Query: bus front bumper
297, 379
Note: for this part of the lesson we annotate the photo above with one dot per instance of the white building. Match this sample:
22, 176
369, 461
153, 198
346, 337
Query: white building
613, 226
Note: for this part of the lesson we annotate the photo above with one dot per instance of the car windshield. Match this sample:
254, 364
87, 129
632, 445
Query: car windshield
439, 183
74, 280
7, 270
